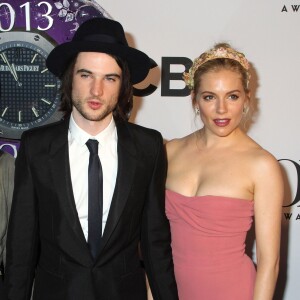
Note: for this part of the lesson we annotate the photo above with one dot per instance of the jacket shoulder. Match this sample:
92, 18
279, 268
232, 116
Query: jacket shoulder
144, 131
47, 130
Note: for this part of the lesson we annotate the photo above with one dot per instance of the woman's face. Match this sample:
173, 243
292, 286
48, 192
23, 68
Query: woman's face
221, 99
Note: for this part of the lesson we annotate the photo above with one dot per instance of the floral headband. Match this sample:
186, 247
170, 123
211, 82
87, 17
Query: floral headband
220, 52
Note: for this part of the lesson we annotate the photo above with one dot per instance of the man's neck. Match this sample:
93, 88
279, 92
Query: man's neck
92, 127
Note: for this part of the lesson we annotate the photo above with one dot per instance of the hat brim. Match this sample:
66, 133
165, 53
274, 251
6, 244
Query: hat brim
138, 62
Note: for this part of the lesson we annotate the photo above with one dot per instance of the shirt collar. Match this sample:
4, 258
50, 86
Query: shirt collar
81, 137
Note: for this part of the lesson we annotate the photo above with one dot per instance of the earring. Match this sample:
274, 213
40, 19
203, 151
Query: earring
245, 109
197, 110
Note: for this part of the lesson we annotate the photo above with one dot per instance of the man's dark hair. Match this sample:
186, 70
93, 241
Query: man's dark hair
125, 101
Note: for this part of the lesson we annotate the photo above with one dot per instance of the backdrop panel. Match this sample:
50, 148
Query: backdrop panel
174, 32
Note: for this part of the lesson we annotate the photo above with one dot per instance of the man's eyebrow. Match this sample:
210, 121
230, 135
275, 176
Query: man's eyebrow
90, 72
113, 74
83, 71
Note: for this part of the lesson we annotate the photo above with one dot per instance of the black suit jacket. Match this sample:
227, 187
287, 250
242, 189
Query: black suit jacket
46, 243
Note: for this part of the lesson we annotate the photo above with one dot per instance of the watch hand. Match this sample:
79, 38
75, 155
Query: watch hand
11, 69
4, 58
14, 72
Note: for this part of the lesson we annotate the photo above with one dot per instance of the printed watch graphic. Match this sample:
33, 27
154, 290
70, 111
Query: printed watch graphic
28, 32
28, 91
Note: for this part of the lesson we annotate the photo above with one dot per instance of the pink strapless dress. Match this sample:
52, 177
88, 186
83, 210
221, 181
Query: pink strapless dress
208, 245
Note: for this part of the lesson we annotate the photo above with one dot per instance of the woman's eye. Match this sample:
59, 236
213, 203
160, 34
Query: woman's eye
233, 97
208, 97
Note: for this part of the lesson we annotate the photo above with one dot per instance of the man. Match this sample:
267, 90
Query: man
73, 246
7, 167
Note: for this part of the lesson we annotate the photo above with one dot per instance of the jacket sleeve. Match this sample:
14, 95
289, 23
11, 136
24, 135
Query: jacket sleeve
22, 236
7, 168
155, 235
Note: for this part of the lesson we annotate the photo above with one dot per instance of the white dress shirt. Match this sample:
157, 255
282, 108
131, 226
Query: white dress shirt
79, 161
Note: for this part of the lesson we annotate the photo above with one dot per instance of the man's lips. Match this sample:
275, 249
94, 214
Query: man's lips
222, 122
94, 104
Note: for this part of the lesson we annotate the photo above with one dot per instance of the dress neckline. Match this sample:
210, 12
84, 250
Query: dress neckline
209, 196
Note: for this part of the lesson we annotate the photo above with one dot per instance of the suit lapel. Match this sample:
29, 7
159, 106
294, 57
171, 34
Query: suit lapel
60, 168
126, 170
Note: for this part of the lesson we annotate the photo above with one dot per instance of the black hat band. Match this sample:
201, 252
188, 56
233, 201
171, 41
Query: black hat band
104, 38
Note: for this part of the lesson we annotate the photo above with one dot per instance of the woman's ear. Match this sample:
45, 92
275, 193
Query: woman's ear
247, 103
248, 97
193, 97
195, 104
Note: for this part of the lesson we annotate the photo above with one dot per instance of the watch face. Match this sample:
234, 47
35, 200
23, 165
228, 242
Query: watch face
28, 91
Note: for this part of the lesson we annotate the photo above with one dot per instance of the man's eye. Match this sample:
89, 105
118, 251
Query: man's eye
84, 75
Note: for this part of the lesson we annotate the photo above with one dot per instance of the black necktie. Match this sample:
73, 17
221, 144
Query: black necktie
95, 197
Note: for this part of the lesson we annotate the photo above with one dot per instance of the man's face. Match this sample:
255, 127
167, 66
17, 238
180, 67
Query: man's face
95, 89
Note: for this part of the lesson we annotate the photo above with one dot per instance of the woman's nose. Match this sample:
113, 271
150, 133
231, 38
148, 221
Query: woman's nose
221, 106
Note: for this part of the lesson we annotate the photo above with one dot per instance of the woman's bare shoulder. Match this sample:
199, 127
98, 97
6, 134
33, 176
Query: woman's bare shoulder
258, 154
264, 163
177, 145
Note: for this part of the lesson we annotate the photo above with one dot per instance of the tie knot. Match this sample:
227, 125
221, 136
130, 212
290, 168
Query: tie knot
92, 146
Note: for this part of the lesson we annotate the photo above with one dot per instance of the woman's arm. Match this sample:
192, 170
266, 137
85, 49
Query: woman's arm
268, 198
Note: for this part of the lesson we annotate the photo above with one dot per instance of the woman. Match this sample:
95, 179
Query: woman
218, 178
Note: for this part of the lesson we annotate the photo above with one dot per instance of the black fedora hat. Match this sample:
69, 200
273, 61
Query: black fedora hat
99, 35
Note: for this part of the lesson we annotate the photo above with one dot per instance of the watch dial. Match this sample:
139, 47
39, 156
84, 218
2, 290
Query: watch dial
28, 91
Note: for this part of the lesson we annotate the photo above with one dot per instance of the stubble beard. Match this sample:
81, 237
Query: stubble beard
79, 105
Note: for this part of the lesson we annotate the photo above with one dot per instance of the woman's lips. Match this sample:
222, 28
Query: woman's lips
221, 122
